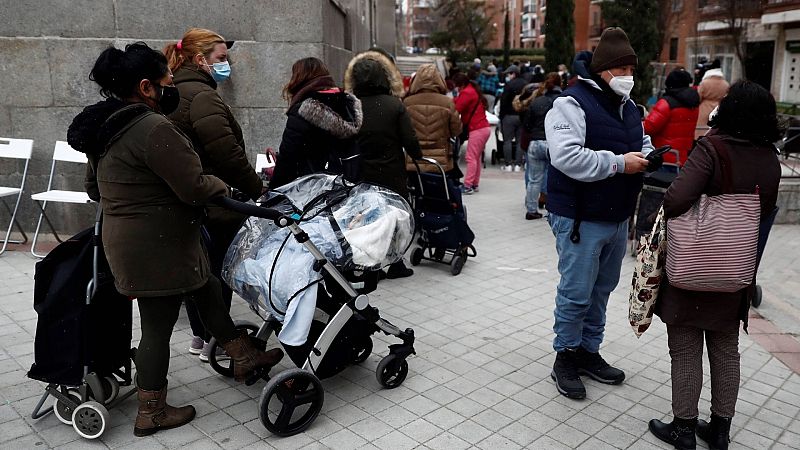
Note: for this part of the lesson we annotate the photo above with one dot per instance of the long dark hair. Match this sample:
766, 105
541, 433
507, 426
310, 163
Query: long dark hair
551, 81
304, 70
119, 72
748, 112
461, 81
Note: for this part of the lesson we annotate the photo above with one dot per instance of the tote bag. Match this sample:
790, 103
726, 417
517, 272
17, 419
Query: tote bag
647, 275
713, 246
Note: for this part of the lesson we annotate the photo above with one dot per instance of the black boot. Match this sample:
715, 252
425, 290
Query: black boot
593, 365
717, 433
679, 433
399, 270
565, 374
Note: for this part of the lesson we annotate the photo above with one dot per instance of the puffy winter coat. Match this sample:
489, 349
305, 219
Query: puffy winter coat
216, 135
672, 122
433, 116
319, 129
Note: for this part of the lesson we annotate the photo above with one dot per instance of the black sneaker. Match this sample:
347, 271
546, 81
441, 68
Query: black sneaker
565, 374
594, 366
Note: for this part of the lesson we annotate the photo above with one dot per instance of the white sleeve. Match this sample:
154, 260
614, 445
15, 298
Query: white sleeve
565, 128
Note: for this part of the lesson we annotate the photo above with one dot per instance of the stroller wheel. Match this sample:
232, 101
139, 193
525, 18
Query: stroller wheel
290, 402
392, 371
90, 420
222, 363
111, 387
757, 297
363, 352
458, 263
416, 256
63, 410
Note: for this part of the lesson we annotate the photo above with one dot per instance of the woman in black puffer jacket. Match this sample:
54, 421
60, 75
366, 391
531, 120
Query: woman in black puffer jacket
321, 127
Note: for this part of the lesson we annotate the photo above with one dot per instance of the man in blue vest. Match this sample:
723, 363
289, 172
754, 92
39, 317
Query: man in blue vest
597, 151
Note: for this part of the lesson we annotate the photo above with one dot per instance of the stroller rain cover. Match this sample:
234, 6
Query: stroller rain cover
356, 227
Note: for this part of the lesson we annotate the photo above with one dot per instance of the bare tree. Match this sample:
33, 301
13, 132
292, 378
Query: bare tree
468, 22
736, 15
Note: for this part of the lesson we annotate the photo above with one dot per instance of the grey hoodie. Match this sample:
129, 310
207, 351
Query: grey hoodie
565, 128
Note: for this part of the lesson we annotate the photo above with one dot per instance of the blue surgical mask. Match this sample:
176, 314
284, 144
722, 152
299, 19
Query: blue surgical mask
508, 79
220, 71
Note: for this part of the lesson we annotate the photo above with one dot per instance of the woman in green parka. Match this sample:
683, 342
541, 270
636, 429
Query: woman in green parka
152, 191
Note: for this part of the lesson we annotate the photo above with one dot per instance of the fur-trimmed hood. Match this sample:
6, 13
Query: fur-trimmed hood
337, 112
371, 73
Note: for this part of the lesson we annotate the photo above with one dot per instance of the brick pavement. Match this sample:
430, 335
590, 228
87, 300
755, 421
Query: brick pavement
480, 379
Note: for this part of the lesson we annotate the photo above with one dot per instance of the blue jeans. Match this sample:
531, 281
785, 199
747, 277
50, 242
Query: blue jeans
535, 174
589, 272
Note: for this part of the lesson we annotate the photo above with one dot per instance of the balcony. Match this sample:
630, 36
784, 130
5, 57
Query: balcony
714, 10
528, 34
781, 11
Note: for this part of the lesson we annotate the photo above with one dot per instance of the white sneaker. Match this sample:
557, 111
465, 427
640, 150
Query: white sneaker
517, 168
506, 168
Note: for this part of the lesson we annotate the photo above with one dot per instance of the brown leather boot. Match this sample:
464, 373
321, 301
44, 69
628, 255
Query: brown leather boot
155, 414
246, 358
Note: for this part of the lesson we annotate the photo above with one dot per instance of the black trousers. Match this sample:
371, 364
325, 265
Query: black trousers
221, 235
158, 317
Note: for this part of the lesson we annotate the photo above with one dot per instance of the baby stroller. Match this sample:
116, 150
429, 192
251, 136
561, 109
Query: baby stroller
82, 348
442, 220
306, 272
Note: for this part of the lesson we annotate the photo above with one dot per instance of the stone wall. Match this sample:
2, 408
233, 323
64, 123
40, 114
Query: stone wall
47, 49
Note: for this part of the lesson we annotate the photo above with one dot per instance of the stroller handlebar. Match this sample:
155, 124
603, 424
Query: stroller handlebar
250, 210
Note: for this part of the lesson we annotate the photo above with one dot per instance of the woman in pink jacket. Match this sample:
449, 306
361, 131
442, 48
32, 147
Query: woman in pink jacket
470, 103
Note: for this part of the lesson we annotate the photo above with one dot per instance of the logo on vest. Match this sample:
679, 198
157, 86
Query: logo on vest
561, 126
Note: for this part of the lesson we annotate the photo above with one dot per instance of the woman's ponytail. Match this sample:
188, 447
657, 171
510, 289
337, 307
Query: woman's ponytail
174, 56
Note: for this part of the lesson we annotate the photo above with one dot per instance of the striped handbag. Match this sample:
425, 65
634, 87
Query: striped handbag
713, 246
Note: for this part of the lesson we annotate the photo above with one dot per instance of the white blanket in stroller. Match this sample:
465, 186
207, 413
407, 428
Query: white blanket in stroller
268, 266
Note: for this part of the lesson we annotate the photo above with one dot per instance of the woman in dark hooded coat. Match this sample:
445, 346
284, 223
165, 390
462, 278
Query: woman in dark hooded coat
321, 126
387, 134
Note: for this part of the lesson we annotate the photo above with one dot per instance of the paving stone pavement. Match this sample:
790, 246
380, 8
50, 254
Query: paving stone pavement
480, 379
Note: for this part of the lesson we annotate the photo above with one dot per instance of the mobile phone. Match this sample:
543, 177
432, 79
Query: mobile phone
658, 152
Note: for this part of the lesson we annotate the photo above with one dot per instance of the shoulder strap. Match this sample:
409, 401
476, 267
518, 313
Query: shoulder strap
720, 147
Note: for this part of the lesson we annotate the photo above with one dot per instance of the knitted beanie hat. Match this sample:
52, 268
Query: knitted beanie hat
613, 50
678, 78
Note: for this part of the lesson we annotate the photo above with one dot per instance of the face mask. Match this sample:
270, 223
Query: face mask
508, 79
622, 85
220, 71
168, 100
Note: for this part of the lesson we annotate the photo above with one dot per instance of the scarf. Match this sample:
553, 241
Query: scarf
312, 85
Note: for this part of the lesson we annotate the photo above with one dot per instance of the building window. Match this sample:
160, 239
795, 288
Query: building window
673, 49
677, 5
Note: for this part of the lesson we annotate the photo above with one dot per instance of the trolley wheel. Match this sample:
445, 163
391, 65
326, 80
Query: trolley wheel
90, 420
416, 256
757, 297
458, 262
111, 386
364, 350
223, 364
290, 402
62, 410
391, 371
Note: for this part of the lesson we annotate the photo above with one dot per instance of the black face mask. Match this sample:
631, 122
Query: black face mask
168, 100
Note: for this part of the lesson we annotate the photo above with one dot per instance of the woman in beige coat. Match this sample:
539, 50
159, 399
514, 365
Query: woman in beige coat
711, 90
434, 117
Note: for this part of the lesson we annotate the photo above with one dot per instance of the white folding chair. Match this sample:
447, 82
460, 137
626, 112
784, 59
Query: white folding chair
14, 149
64, 153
